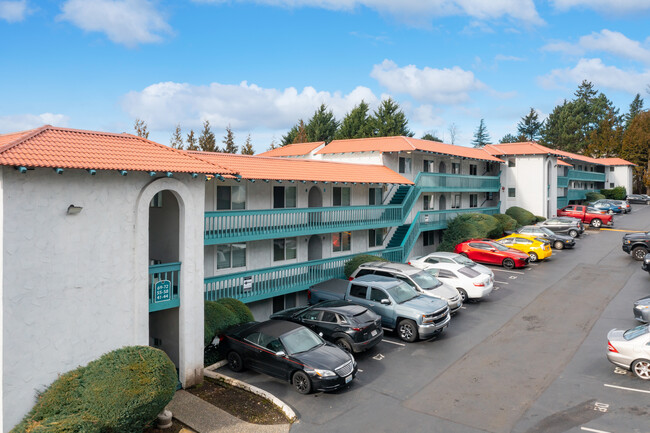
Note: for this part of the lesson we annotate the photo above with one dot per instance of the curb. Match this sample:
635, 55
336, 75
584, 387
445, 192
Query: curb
209, 372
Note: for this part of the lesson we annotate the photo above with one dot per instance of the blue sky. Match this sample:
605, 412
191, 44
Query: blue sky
261, 65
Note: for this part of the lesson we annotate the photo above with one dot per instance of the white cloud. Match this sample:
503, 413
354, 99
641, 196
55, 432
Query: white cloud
127, 22
22, 122
504, 58
13, 11
607, 41
419, 11
608, 6
601, 75
244, 106
444, 86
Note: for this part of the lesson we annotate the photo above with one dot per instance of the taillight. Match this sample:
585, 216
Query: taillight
350, 278
356, 329
479, 284
408, 263
611, 348
308, 295
222, 337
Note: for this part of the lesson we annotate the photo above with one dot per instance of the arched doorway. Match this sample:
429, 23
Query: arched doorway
442, 168
164, 274
442, 203
315, 199
315, 248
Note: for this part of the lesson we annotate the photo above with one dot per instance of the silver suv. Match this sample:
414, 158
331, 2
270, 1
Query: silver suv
421, 281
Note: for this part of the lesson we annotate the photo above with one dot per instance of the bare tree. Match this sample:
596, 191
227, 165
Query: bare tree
141, 128
453, 132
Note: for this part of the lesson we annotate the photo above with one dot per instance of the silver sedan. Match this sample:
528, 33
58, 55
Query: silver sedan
642, 310
631, 350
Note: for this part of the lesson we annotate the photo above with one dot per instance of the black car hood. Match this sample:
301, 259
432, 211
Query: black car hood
635, 236
325, 357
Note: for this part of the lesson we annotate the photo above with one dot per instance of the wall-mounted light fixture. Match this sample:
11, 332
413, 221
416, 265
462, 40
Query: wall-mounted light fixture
73, 210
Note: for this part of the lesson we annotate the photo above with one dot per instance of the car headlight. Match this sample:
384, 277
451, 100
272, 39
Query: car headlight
319, 372
354, 362
627, 241
642, 307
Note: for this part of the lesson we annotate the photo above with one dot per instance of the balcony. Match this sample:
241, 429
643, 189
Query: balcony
589, 176
258, 284
223, 227
443, 182
562, 181
579, 194
562, 201
164, 286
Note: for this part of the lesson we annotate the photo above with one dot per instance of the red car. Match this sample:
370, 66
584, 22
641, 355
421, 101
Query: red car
488, 251
582, 213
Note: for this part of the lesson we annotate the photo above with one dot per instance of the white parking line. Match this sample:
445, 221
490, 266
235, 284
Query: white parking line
393, 342
512, 272
627, 389
500, 282
593, 430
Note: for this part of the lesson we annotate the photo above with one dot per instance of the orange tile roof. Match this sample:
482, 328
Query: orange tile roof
404, 144
523, 148
566, 164
268, 168
615, 161
55, 147
296, 149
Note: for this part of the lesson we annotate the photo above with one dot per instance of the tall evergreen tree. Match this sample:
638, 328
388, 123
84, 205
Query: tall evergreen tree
207, 141
140, 128
530, 126
229, 141
635, 108
301, 134
176, 141
191, 141
322, 126
247, 148
356, 124
290, 136
509, 138
636, 149
481, 136
389, 120
607, 139
431, 136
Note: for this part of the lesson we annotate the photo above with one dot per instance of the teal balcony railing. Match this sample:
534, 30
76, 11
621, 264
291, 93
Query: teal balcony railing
579, 194
258, 284
562, 181
562, 201
589, 176
164, 286
247, 225
443, 182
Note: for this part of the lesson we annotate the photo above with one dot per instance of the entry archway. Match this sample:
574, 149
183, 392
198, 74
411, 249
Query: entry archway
442, 168
442, 203
315, 199
314, 248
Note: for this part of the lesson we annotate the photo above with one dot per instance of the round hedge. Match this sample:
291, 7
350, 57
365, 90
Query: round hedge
355, 262
241, 311
521, 215
506, 224
593, 196
122, 391
467, 226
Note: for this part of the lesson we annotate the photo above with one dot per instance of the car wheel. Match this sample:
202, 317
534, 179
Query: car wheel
463, 294
558, 245
508, 263
235, 362
407, 330
301, 382
344, 344
533, 257
641, 369
596, 223
639, 253
573, 233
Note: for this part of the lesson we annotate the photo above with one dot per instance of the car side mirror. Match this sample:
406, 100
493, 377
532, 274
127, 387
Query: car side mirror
385, 301
320, 334
493, 250
281, 354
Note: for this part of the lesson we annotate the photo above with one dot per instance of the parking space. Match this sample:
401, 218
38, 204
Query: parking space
529, 359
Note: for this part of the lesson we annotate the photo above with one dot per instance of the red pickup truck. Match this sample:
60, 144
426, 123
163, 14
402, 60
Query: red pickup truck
595, 219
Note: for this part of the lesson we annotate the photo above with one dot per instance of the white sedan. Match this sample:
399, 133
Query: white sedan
473, 281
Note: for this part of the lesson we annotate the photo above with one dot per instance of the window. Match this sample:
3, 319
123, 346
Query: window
284, 197
611, 184
375, 237
231, 197
340, 196
428, 166
611, 168
377, 295
473, 200
358, 291
284, 249
156, 201
341, 241
231, 256
489, 196
427, 202
375, 196
444, 273
511, 163
473, 169
455, 168
329, 317
428, 239
404, 165
311, 315
511, 192
456, 201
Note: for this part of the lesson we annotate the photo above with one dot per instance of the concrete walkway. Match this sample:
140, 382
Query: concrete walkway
207, 418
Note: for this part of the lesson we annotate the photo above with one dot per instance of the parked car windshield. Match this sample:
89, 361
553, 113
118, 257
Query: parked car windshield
469, 272
547, 231
631, 334
462, 260
402, 292
498, 246
426, 281
301, 340
364, 317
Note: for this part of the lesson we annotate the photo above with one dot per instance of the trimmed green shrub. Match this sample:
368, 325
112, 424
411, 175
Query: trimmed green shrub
505, 223
617, 193
593, 196
217, 318
355, 262
521, 215
242, 312
122, 391
539, 219
467, 226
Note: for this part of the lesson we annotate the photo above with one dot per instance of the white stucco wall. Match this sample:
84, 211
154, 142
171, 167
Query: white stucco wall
621, 176
531, 180
76, 285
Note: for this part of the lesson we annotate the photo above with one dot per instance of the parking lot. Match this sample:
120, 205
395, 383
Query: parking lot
529, 359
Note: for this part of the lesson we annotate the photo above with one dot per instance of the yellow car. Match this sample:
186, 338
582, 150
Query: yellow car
536, 248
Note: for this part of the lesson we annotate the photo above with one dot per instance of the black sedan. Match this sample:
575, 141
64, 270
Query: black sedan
289, 352
558, 241
350, 326
638, 199
563, 225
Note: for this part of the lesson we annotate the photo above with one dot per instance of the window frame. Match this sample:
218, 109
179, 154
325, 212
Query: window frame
285, 248
341, 236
